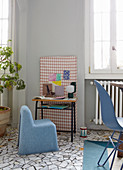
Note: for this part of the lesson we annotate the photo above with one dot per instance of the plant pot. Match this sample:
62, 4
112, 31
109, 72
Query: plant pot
4, 119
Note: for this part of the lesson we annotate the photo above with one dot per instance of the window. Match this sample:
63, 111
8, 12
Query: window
119, 33
101, 34
105, 35
7, 14
5, 19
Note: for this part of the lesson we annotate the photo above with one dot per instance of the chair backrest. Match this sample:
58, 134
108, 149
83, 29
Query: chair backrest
26, 116
26, 120
107, 109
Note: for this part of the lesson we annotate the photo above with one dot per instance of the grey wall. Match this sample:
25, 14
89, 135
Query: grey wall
90, 97
50, 28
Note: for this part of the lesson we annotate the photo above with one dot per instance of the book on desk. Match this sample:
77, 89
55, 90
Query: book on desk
56, 106
59, 106
55, 97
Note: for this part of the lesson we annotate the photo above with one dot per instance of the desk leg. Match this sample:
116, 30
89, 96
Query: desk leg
41, 110
72, 122
36, 110
74, 117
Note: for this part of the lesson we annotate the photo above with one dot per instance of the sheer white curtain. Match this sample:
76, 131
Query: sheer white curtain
4, 21
7, 22
22, 4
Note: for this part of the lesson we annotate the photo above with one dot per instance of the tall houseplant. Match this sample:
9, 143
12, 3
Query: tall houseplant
9, 78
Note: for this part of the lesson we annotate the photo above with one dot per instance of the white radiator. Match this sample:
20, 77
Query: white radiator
116, 95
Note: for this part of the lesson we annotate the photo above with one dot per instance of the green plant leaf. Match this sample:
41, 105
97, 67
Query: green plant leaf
10, 79
1, 88
19, 67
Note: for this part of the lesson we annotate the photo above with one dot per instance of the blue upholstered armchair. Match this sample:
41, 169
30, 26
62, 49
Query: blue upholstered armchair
36, 136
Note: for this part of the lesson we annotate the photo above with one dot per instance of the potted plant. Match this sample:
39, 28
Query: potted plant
8, 79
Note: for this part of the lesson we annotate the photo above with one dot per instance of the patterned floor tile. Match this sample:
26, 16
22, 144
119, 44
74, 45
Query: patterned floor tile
69, 156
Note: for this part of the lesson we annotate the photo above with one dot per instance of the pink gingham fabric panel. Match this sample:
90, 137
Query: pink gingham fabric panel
57, 64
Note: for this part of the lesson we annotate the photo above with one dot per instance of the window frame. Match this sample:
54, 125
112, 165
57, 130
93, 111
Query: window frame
89, 53
11, 26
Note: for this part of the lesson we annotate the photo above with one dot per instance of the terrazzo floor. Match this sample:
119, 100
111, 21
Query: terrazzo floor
69, 156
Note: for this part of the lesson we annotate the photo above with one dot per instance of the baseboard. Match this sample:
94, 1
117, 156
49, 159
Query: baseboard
97, 127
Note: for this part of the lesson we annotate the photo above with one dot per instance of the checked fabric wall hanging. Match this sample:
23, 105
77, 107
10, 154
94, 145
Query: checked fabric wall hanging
61, 70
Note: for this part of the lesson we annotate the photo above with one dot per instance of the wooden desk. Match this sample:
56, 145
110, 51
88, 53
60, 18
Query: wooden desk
120, 85
72, 108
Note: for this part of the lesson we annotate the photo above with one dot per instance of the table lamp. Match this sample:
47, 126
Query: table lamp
70, 90
73, 84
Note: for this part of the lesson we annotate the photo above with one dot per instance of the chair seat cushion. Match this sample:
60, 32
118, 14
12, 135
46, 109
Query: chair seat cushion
120, 121
42, 121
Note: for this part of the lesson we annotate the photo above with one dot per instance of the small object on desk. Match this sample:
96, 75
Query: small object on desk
74, 99
74, 84
48, 98
47, 89
59, 90
43, 97
70, 90
60, 97
45, 106
38, 97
